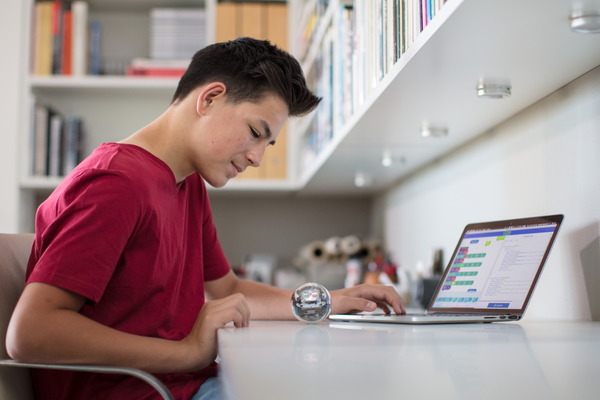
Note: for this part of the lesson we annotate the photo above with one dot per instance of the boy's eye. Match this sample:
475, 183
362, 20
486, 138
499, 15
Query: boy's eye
255, 134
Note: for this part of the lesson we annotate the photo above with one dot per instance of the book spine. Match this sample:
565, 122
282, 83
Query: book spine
44, 47
40, 137
157, 72
95, 47
79, 48
66, 43
72, 151
54, 152
33, 39
57, 30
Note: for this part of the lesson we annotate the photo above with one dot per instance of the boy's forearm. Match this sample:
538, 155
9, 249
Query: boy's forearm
266, 302
43, 334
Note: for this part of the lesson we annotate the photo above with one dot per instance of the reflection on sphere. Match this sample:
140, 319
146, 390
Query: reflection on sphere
311, 303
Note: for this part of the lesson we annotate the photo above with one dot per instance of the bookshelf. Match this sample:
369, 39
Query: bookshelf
82, 94
433, 83
527, 44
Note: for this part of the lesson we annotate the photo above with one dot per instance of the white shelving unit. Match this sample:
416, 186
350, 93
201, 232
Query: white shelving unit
113, 107
525, 43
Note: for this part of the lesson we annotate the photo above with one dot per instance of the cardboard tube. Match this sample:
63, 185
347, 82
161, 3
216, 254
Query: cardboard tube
350, 245
332, 246
314, 253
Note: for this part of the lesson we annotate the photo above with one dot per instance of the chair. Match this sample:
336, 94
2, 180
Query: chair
15, 383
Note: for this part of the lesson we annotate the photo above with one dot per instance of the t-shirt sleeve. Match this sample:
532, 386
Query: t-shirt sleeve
91, 223
215, 263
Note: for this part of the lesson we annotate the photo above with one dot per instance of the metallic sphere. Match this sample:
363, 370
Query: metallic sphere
311, 303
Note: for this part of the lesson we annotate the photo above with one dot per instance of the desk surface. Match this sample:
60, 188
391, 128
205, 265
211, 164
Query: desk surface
285, 360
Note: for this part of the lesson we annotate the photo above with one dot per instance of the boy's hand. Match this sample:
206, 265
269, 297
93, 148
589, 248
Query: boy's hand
215, 315
366, 298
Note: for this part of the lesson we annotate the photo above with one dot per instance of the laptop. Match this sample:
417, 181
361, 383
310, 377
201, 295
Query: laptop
490, 277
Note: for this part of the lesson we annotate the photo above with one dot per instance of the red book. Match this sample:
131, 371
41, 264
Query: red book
66, 44
56, 11
156, 72
56, 22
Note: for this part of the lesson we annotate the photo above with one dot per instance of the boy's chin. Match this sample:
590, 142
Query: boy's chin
217, 183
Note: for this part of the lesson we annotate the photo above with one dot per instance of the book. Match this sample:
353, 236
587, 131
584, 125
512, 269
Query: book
176, 32
94, 47
57, 32
79, 34
252, 24
55, 145
66, 43
74, 138
277, 25
56, 141
43, 54
226, 22
39, 139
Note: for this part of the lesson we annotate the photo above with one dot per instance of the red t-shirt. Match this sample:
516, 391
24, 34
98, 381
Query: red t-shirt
120, 232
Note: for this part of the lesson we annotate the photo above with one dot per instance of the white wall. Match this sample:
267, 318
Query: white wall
545, 160
11, 85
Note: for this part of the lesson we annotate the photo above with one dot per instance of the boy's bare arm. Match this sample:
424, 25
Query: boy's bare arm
268, 302
47, 328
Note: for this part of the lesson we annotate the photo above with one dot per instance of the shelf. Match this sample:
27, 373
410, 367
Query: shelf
102, 82
40, 182
234, 185
142, 5
468, 42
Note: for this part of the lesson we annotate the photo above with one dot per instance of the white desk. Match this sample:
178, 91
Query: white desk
279, 360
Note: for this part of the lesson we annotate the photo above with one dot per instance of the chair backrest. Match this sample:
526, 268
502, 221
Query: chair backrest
15, 383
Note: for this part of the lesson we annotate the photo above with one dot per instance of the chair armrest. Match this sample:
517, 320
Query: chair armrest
145, 376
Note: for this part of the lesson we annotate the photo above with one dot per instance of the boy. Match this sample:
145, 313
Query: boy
125, 247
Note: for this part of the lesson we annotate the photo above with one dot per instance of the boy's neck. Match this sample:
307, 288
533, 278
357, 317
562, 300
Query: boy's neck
164, 139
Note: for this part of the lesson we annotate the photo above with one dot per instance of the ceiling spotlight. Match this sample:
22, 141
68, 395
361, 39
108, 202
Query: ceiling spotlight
586, 23
362, 180
436, 132
492, 91
387, 160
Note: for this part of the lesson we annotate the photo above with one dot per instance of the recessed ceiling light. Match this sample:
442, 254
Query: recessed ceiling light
432, 131
387, 160
493, 91
586, 23
362, 180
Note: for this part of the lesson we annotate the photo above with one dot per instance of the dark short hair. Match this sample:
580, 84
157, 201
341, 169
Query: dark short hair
250, 69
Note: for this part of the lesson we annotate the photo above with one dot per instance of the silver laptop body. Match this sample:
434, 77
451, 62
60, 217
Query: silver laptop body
491, 276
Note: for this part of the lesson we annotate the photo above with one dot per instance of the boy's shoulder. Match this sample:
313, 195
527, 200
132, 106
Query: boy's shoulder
124, 170
132, 164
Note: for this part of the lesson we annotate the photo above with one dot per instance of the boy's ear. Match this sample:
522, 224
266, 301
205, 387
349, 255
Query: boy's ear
211, 92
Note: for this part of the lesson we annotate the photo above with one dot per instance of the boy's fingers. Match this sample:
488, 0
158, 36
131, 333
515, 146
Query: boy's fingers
355, 303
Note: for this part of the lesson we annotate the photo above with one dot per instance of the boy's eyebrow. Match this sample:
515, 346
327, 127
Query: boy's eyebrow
267, 131
266, 128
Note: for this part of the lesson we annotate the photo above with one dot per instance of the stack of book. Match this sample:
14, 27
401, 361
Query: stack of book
384, 30
62, 41
57, 141
314, 10
157, 67
370, 37
177, 33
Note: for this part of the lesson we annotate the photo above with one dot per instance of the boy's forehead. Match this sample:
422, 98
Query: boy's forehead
268, 112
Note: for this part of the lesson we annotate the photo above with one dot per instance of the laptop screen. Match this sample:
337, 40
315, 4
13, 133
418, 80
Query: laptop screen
496, 267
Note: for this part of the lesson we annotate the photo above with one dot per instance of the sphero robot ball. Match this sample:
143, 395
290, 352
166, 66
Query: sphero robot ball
311, 303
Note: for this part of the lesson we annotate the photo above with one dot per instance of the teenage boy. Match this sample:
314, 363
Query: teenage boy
125, 247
